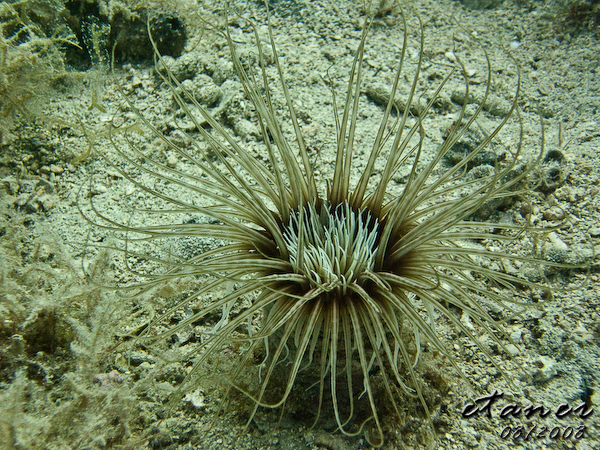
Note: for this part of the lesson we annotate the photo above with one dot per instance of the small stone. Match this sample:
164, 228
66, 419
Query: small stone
515, 336
99, 189
556, 250
451, 56
547, 369
172, 161
526, 209
557, 242
179, 138
245, 129
595, 232
554, 214
47, 201
512, 349
196, 398
57, 170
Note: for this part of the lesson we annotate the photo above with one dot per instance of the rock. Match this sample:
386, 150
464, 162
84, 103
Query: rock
554, 214
546, 369
595, 232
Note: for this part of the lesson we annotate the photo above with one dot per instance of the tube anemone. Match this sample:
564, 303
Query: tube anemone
343, 280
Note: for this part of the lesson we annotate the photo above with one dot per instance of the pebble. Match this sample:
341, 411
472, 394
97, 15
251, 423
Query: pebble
57, 170
554, 213
547, 371
513, 349
515, 336
557, 242
595, 232
196, 398
172, 161
99, 189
